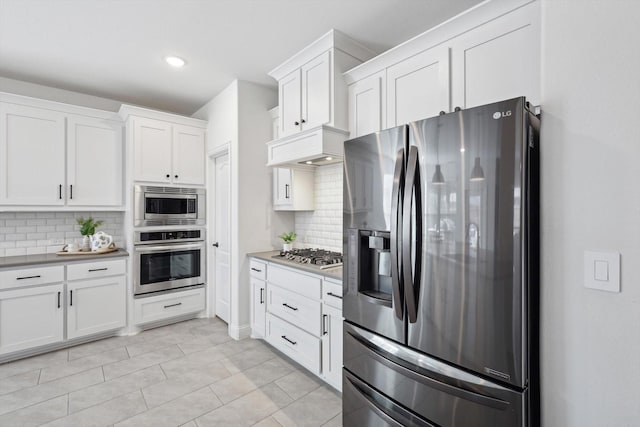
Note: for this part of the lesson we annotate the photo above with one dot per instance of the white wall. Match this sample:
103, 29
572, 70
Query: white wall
322, 227
590, 201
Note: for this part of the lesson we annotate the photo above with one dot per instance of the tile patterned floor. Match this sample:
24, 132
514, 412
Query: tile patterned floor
188, 374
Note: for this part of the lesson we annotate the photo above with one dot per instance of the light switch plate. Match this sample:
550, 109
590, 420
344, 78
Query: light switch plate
602, 271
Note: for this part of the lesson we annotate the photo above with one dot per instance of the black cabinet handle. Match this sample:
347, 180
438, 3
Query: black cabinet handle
168, 176
98, 269
71, 298
286, 191
331, 294
289, 307
175, 176
325, 330
173, 305
303, 121
59, 299
27, 277
216, 244
71, 191
296, 123
60, 191
261, 295
284, 337
255, 269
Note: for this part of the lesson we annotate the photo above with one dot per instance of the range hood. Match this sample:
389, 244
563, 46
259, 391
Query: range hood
321, 145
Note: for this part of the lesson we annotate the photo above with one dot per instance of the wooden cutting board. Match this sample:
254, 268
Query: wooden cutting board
101, 251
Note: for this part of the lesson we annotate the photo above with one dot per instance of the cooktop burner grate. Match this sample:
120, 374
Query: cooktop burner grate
318, 257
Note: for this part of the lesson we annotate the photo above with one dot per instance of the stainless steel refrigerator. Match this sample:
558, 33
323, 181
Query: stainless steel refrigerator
441, 272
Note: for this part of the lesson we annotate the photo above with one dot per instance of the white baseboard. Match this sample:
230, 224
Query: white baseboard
239, 332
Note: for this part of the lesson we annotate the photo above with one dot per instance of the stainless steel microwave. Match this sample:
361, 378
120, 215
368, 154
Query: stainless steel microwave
157, 206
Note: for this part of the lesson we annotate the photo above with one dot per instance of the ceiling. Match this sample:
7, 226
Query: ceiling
115, 48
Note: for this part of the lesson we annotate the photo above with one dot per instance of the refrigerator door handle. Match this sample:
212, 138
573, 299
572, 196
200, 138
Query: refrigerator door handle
411, 277
396, 234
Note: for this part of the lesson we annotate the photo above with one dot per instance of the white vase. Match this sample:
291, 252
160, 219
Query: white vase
287, 247
86, 244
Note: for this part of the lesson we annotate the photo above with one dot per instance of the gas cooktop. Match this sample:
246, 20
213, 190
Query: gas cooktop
317, 257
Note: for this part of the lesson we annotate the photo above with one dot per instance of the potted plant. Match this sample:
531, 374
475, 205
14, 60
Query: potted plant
87, 229
288, 239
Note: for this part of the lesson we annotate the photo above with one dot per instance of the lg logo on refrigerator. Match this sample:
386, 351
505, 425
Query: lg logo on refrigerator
498, 115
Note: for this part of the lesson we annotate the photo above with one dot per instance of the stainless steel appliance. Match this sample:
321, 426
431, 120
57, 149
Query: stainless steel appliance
320, 258
168, 259
157, 206
440, 275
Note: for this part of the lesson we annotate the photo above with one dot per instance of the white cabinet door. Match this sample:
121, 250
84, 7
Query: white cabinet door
332, 346
290, 103
281, 186
94, 162
188, 155
316, 91
418, 87
32, 163
499, 60
365, 105
95, 306
152, 147
31, 317
258, 308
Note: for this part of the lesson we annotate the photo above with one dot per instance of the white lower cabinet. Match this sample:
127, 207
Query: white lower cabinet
166, 306
258, 307
96, 306
299, 345
31, 317
332, 346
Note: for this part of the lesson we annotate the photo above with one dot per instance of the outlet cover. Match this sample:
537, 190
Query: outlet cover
602, 271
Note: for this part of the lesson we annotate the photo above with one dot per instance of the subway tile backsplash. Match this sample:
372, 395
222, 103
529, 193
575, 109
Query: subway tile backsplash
26, 233
322, 228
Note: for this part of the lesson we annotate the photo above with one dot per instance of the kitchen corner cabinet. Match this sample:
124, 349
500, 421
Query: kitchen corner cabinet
332, 332
293, 189
58, 159
168, 153
257, 277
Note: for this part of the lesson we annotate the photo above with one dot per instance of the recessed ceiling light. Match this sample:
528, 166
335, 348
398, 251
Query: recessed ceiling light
174, 61
309, 162
329, 158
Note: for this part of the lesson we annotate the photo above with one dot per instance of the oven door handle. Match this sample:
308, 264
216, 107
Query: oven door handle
169, 248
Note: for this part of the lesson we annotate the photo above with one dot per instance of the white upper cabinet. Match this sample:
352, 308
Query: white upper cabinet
418, 87
32, 143
152, 150
293, 189
498, 60
365, 105
59, 156
94, 162
290, 103
167, 149
316, 92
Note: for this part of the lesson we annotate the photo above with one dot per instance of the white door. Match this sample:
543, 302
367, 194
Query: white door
290, 103
365, 105
188, 155
94, 162
418, 87
259, 307
31, 317
32, 143
221, 251
152, 146
316, 92
498, 60
96, 305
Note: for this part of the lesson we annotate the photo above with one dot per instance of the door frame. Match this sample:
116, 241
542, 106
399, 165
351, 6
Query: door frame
212, 155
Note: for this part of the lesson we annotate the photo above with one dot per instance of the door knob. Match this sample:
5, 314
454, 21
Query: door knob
215, 245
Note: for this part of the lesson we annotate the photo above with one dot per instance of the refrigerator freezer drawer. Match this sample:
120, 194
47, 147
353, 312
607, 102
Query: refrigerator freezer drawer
442, 394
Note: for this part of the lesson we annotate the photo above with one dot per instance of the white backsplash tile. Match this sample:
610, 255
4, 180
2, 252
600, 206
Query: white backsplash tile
26, 233
322, 228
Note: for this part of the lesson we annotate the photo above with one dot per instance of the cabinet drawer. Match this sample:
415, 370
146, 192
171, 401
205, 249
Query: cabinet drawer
91, 270
301, 311
294, 342
293, 281
151, 309
332, 293
258, 269
31, 276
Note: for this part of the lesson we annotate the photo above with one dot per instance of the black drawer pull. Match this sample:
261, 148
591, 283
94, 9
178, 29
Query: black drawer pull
284, 337
289, 307
331, 294
98, 269
173, 305
59, 299
255, 269
28, 277
261, 295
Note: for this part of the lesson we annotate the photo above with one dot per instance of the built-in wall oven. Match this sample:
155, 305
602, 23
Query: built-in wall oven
158, 206
167, 260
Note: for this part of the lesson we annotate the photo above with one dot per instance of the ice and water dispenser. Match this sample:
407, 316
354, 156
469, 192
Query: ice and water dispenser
369, 265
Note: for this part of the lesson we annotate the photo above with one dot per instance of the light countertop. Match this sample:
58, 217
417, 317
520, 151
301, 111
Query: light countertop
332, 273
30, 260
